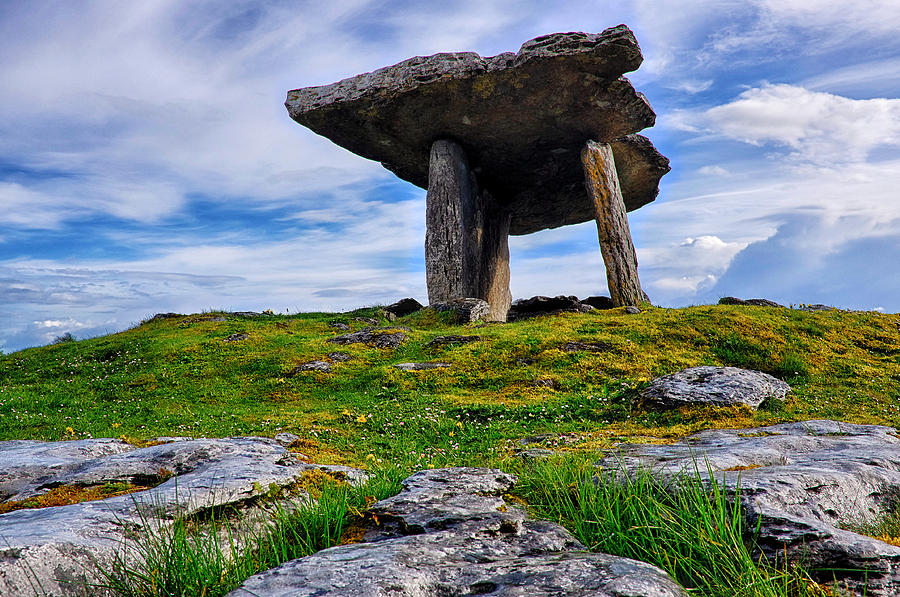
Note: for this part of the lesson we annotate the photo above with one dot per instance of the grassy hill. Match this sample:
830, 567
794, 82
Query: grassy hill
180, 376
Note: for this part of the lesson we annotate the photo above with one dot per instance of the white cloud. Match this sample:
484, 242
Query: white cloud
819, 128
712, 171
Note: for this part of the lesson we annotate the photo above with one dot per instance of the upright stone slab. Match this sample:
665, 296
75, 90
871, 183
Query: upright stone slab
466, 238
612, 224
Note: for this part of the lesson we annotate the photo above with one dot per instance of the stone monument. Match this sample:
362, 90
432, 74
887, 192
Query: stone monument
509, 144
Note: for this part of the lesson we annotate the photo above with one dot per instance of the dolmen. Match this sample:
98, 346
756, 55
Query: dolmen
508, 144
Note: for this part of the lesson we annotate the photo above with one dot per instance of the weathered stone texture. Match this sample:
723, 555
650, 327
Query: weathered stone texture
520, 118
616, 246
800, 482
466, 239
450, 533
56, 548
714, 386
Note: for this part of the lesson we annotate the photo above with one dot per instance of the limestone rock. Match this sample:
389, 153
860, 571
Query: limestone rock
449, 532
161, 316
236, 337
451, 339
522, 119
379, 338
599, 302
545, 305
404, 307
632, 310
587, 347
757, 302
714, 386
339, 357
800, 481
55, 548
321, 366
339, 326
465, 310
421, 366
816, 307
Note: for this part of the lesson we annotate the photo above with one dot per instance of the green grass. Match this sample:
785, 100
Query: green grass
214, 556
179, 376
686, 527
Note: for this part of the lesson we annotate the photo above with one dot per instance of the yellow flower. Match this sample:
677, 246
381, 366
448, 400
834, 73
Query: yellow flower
361, 419
115, 425
346, 413
459, 424
70, 431
370, 457
451, 434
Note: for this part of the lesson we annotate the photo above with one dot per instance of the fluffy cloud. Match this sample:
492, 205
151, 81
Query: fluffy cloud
818, 128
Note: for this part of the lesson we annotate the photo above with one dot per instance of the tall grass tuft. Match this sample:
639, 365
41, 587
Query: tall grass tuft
209, 559
687, 527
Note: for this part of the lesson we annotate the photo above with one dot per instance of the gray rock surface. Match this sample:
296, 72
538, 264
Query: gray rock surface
800, 482
404, 307
522, 119
55, 548
714, 386
421, 366
599, 302
465, 310
236, 337
440, 341
450, 533
632, 310
377, 337
321, 366
587, 347
545, 305
755, 302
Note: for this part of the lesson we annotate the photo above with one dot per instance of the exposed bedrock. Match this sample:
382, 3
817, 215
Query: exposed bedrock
53, 551
801, 482
450, 533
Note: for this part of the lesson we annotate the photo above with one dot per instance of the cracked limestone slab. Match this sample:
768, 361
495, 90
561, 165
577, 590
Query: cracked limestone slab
801, 482
55, 549
450, 532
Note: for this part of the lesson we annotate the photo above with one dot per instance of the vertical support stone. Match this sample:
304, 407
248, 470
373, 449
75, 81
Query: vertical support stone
466, 234
616, 246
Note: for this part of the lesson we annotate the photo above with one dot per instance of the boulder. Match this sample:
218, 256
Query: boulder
451, 339
756, 302
522, 119
545, 305
236, 337
816, 307
713, 386
450, 532
404, 307
377, 337
465, 310
322, 366
599, 302
56, 548
803, 484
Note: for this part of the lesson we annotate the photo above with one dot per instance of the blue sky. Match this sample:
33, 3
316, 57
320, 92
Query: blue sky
147, 163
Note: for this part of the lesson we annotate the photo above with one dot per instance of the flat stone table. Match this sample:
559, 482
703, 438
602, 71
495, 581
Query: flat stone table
510, 144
